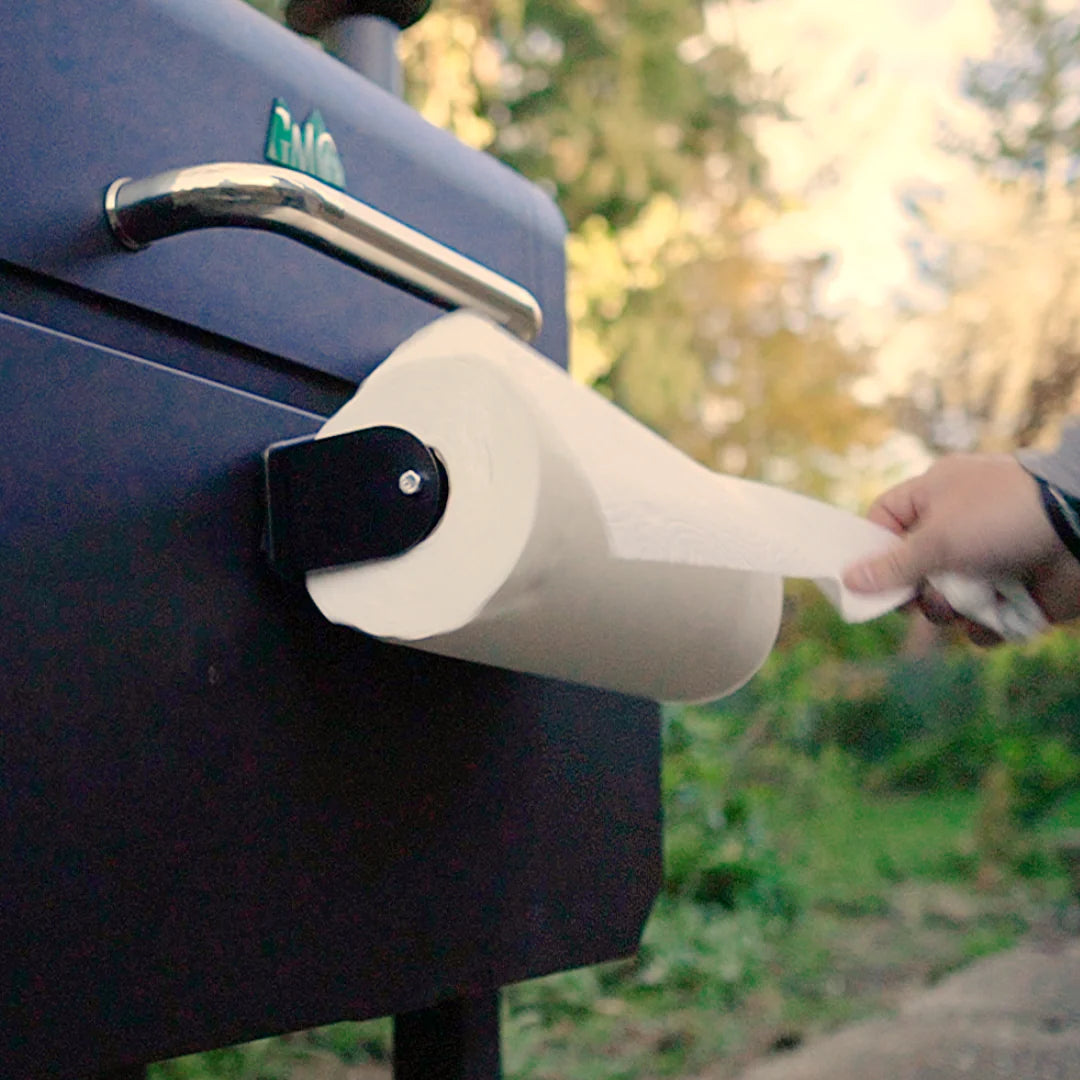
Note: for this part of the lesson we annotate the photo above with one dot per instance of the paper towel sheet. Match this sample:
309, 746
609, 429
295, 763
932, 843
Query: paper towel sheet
576, 543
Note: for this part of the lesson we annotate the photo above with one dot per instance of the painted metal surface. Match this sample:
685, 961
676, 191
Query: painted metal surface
223, 817
138, 87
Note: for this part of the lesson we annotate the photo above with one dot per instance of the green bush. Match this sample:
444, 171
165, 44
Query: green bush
1042, 768
935, 723
717, 850
699, 949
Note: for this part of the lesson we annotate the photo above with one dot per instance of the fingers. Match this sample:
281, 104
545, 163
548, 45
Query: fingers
979, 634
898, 508
935, 607
902, 565
975, 514
941, 613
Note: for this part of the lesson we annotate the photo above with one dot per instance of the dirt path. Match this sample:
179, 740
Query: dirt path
1013, 1016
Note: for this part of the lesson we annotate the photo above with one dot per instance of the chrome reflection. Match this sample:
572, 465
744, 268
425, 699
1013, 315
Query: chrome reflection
255, 196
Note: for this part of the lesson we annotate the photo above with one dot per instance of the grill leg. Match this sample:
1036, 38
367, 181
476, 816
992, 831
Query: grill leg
454, 1040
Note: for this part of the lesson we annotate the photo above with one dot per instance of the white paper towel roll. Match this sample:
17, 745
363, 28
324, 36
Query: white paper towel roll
575, 542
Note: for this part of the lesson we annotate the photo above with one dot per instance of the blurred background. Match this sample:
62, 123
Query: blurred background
813, 242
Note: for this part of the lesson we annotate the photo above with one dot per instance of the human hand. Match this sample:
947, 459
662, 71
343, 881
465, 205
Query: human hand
974, 514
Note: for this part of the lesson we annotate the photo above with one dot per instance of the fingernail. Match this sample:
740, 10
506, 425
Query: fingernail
861, 578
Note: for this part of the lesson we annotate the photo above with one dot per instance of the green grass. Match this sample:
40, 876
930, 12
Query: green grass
856, 846
885, 896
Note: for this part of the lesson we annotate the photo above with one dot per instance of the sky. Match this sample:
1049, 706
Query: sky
872, 84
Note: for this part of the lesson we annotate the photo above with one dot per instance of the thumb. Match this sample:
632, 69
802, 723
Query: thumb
902, 565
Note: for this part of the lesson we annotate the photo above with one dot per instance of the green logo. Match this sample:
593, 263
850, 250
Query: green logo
308, 147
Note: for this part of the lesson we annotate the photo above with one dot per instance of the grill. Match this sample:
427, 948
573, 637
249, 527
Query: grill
221, 817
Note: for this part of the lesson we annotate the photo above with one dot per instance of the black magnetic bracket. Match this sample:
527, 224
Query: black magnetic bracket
368, 494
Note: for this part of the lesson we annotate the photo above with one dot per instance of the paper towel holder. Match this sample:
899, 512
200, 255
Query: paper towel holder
367, 494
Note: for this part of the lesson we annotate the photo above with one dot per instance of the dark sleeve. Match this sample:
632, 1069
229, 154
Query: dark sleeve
1058, 477
1060, 467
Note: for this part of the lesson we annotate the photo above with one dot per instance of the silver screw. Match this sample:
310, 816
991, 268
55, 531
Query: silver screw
410, 482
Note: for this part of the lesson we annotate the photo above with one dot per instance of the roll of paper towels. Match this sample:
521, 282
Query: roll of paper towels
575, 542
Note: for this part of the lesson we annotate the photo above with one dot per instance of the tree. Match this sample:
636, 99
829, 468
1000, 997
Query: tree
1030, 91
640, 126
1006, 252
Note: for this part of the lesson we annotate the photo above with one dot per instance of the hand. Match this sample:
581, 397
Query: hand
975, 514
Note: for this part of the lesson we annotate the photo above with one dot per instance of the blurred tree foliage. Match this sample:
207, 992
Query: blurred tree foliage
1007, 253
594, 98
1029, 90
642, 129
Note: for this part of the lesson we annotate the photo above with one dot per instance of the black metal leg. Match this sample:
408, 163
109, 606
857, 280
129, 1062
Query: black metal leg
455, 1040
132, 1072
